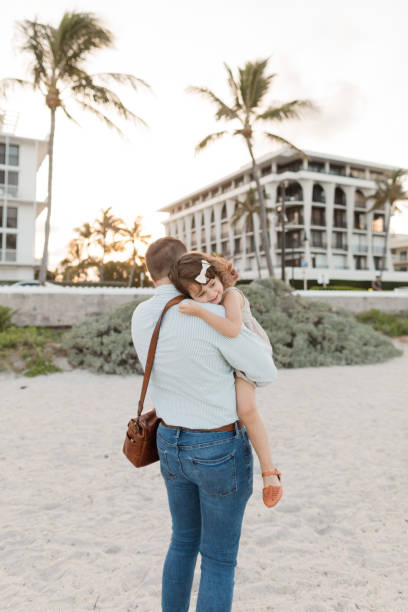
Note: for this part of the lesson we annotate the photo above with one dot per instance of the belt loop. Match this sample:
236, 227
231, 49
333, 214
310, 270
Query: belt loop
178, 434
237, 431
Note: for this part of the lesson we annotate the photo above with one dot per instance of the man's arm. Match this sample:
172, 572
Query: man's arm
247, 352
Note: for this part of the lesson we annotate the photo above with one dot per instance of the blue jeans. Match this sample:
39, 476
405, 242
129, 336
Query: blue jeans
208, 476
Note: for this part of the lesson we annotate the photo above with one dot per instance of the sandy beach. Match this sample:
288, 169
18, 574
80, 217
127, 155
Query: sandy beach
82, 529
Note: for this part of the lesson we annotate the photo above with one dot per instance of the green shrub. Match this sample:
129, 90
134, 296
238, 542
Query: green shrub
104, 344
5, 317
29, 350
302, 333
391, 324
305, 334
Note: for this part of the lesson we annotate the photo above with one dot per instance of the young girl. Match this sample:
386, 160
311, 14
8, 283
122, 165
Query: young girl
205, 278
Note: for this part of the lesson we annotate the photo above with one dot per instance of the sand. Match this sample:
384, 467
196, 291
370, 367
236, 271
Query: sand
82, 529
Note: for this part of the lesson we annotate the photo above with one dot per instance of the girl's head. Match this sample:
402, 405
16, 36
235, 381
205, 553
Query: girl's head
200, 276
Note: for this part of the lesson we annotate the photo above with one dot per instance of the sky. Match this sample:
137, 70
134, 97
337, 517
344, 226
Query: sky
348, 57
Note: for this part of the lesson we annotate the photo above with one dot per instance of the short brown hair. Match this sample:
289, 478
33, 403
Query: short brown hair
188, 266
161, 254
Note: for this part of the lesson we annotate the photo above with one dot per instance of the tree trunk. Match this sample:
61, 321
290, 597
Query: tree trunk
132, 274
283, 237
387, 237
264, 227
44, 262
258, 259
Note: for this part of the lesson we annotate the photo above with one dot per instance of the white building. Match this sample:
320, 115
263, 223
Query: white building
20, 159
328, 230
399, 251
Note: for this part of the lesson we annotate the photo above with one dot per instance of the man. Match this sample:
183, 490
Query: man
205, 458
377, 285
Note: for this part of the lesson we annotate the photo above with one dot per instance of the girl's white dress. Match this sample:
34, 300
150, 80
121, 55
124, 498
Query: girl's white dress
252, 324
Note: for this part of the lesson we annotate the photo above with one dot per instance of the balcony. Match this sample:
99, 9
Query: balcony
9, 190
339, 246
360, 248
378, 250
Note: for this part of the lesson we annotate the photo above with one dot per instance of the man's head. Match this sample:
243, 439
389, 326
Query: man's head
161, 254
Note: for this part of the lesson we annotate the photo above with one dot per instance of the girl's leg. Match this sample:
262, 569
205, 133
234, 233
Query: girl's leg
250, 417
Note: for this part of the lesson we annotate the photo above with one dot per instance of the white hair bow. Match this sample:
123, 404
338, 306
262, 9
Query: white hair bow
201, 278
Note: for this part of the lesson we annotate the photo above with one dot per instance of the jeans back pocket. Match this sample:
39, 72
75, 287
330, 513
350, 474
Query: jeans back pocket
216, 476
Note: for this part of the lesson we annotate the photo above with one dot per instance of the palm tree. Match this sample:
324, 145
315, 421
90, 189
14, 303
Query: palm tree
58, 56
134, 237
389, 192
104, 236
248, 91
245, 210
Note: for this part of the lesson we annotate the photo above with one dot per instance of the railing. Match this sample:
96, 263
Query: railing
336, 203
319, 200
11, 190
360, 227
360, 248
341, 224
339, 247
378, 250
319, 245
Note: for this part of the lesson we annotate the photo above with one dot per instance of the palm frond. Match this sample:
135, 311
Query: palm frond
234, 87
68, 114
77, 36
282, 140
122, 79
10, 84
99, 115
223, 110
35, 40
209, 139
90, 93
290, 110
254, 83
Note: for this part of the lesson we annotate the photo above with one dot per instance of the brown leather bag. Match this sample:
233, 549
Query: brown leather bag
140, 441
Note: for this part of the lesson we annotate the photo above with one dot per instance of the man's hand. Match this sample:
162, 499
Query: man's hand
190, 307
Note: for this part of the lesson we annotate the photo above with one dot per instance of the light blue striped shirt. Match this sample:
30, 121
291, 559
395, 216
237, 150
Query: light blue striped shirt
192, 381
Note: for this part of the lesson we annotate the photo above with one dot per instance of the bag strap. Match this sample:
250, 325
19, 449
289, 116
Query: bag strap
151, 353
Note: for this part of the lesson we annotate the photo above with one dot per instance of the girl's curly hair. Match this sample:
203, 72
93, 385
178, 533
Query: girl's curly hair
184, 271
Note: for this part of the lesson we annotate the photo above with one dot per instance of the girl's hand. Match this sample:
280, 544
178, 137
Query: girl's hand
189, 307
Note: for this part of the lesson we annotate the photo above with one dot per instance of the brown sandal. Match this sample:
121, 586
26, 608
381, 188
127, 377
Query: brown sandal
273, 493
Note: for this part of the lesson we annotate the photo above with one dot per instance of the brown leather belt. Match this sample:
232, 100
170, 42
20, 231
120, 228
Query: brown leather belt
229, 427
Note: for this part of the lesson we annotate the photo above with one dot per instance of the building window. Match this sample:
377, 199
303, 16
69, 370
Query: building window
318, 216
360, 262
214, 247
224, 211
13, 155
379, 263
10, 243
315, 166
360, 221
336, 169
403, 256
294, 216
339, 240
359, 200
8, 182
212, 220
339, 197
293, 166
339, 219
378, 223
357, 172
318, 239
376, 175
2, 152
237, 246
266, 170
318, 194
239, 181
